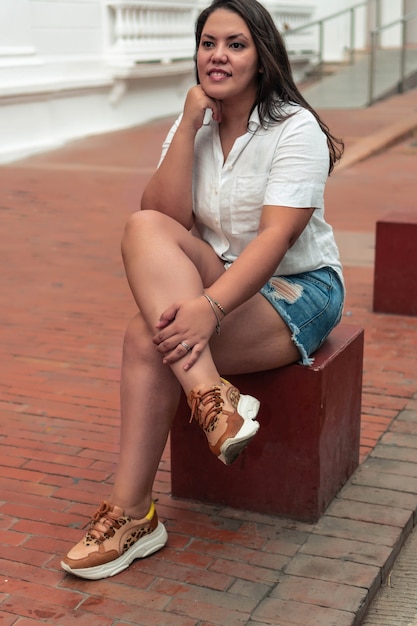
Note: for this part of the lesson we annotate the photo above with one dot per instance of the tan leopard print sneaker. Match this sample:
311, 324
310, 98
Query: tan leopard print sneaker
113, 541
226, 416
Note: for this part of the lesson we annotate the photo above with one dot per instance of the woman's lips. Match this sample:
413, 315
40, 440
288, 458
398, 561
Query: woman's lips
217, 75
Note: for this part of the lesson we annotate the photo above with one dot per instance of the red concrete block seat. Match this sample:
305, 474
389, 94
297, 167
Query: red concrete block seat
395, 274
307, 445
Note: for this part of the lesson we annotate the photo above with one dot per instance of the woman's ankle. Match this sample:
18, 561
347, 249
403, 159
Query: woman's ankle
135, 510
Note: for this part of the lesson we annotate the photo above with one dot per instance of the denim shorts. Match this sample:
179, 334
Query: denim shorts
310, 303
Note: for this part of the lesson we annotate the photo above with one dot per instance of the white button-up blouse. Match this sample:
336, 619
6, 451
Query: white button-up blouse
285, 164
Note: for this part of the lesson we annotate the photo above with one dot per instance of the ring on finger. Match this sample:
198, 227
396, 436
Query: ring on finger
185, 346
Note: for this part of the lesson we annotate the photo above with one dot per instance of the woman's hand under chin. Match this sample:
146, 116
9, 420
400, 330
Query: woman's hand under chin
196, 104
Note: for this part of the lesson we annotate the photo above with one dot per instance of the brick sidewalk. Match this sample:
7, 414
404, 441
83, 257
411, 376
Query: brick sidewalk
65, 304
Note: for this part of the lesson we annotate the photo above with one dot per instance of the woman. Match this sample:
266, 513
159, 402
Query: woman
232, 238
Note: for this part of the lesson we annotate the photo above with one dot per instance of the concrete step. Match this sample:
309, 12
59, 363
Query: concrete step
396, 601
348, 87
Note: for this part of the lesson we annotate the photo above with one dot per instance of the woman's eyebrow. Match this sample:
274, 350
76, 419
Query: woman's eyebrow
229, 37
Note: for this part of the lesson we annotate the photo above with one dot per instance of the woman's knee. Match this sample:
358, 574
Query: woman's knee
140, 224
143, 223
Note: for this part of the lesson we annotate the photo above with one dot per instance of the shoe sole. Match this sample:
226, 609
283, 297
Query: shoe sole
142, 548
247, 408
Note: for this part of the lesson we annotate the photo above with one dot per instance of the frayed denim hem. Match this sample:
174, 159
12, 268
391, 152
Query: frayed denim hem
311, 305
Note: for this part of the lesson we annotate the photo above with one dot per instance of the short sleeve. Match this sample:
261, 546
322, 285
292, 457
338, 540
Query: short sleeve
168, 139
300, 164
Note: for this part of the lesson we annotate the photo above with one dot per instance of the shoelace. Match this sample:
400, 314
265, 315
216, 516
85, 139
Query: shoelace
103, 525
205, 414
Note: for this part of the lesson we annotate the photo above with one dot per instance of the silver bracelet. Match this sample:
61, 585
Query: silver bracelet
214, 305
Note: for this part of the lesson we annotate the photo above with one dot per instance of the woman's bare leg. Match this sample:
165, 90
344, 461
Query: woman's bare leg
149, 395
159, 272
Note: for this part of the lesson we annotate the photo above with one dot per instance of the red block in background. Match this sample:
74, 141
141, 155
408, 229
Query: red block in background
395, 277
306, 448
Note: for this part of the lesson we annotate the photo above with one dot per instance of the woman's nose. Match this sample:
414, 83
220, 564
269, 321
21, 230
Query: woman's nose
219, 54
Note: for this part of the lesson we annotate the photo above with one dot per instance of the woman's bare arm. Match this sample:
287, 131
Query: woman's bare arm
170, 188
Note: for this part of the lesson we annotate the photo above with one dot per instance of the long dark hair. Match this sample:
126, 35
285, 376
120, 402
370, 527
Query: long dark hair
276, 84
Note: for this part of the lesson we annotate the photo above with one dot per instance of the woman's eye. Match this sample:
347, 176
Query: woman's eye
236, 45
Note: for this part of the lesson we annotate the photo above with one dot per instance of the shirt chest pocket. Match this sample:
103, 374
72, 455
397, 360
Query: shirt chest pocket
246, 202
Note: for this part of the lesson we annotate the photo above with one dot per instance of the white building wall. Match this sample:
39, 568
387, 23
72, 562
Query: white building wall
66, 27
15, 26
391, 11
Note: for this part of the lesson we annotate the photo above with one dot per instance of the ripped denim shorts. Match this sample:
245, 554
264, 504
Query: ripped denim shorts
310, 303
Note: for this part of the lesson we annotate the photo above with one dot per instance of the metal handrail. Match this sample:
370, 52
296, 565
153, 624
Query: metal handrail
320, 23
374, 39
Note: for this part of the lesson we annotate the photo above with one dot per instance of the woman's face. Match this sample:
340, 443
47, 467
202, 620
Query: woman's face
227, 59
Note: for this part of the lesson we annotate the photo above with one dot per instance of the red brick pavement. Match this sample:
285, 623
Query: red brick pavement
64, 306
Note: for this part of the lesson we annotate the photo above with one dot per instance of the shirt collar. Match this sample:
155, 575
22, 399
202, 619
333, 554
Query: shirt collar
254, 121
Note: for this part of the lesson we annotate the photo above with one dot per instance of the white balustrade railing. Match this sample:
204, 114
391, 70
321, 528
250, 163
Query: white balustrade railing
153, 31
148, 31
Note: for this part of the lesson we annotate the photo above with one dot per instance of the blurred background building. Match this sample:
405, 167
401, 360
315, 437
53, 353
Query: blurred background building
70, 68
